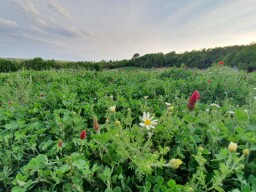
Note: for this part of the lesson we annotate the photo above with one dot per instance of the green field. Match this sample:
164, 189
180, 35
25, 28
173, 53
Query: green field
44, 116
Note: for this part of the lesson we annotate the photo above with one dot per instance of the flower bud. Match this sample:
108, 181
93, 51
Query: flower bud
107, 121
83, 134
60, 143
232, 147
112, 109
175, 163
117, 123
246, 152
170, 108
96, 125
201, 149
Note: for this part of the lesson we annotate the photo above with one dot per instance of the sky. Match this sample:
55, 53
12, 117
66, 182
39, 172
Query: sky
95, 30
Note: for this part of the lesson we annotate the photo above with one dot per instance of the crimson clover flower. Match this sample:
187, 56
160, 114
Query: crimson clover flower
193, 99
83, 134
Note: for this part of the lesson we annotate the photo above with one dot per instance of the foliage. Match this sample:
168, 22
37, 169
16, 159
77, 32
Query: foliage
43, 113
239, 57
7, 66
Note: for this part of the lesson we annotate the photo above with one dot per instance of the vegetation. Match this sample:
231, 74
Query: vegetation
80, 130
241, 57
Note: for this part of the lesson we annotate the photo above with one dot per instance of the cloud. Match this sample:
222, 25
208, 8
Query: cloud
26, 6
8, 23
58, 8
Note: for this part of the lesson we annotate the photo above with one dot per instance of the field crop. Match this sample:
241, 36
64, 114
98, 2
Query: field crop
132, 130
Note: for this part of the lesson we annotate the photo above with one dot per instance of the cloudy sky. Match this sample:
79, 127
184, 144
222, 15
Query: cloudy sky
116, 29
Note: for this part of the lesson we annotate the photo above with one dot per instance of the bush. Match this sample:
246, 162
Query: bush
8, 66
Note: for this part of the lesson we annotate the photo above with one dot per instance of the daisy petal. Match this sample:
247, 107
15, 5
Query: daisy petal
144, 116
151, 117
148, 127
148, 115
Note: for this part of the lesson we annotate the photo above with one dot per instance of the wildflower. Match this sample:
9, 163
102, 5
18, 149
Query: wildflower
246, 152
83, 134
168, 104
207, 110
60, 143
231, 112
215, 105
96, 125
201, 149
148, 121
232, 147
112, 109
246, 111
145, 97
117, 123
175, 163
193, 99
221, 62
107, 121
111, 96
170, 109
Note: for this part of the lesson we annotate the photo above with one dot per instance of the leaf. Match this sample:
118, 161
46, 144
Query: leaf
80, 164
12, 126
148, 185
21, 183
246, 188
160, 180
171, 183
241, 116
156, 188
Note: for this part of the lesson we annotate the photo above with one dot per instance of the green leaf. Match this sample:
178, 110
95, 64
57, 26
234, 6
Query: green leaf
171, 183
160, 180
12, 126
156, 188
148, 185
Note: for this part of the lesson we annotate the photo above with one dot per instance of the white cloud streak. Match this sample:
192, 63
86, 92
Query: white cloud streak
58, 8
9, 23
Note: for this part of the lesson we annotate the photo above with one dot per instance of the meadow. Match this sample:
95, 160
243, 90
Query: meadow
128, 130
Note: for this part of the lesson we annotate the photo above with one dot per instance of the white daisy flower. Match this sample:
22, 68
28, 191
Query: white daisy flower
215, 105
168, 104
112, 109
148, 121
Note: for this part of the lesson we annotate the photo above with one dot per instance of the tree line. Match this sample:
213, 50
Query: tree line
241, 57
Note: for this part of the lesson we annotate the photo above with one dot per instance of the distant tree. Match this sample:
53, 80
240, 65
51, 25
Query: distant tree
8, 66
36, 64
135, 56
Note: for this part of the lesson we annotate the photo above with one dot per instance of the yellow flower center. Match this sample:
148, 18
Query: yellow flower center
147, 122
